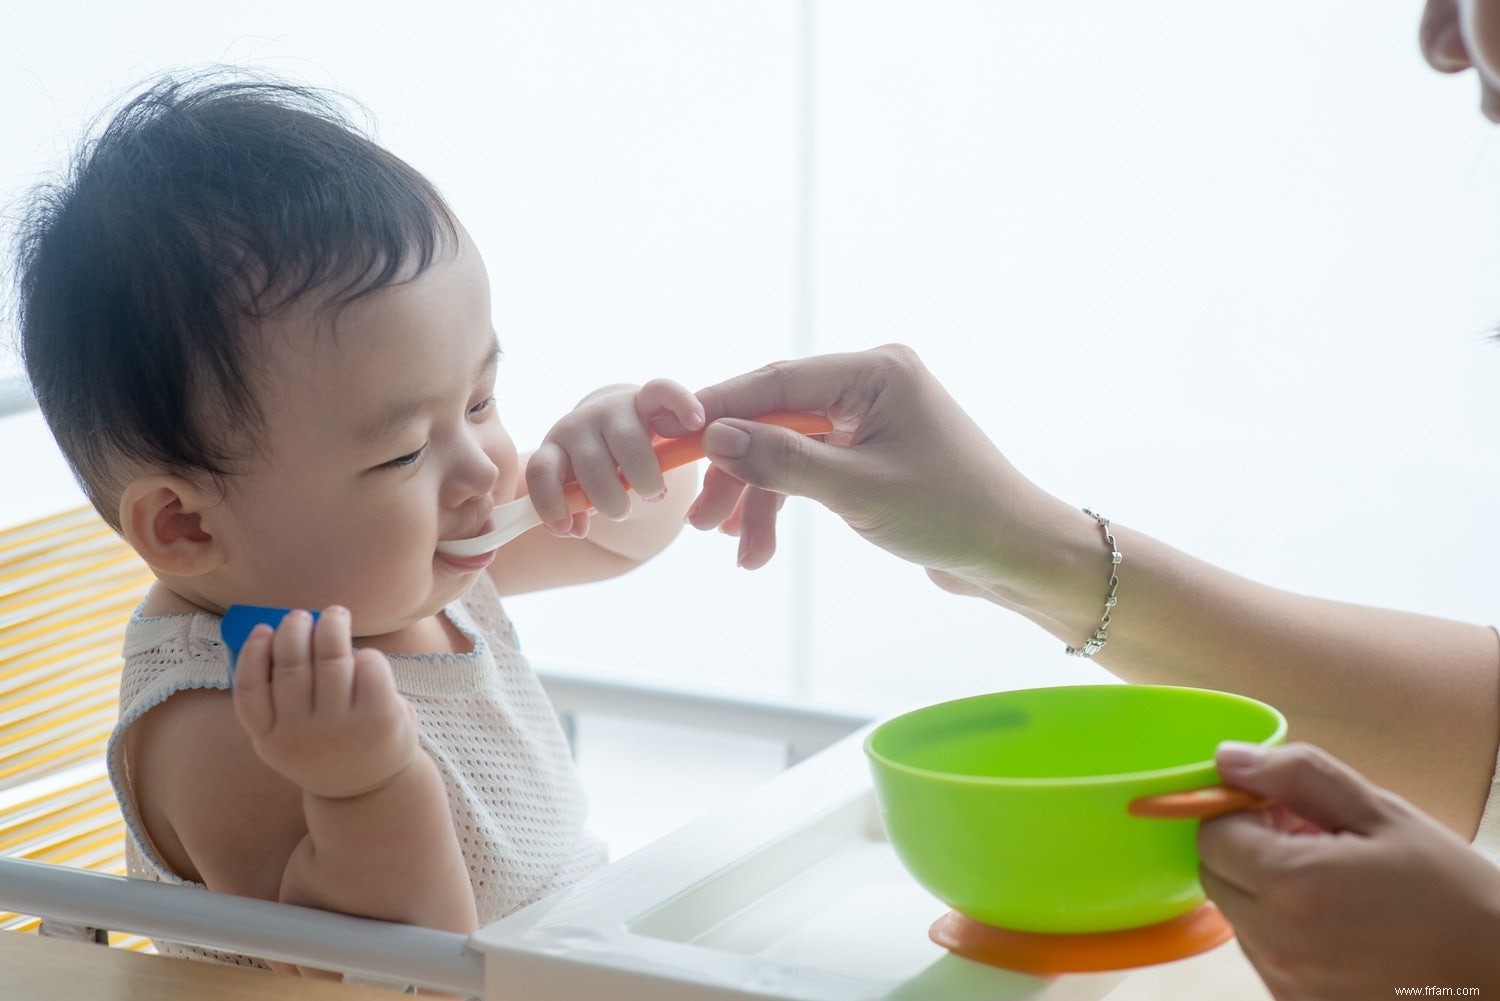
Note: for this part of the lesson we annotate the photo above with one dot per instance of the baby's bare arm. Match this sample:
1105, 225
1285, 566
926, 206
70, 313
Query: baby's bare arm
211, 808
390, 853
219, 815
379, 839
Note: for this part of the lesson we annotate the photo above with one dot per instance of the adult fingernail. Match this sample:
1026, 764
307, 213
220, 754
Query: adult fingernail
1239, 758
724, 441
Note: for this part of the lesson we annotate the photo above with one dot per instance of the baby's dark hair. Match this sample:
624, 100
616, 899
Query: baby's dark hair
205, 203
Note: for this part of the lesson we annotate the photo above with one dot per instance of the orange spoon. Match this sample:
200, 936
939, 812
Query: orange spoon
519, 516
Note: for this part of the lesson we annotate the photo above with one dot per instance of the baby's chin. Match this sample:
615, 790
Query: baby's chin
418, 631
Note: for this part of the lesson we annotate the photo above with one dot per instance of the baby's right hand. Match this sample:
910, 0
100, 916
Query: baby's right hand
322, 714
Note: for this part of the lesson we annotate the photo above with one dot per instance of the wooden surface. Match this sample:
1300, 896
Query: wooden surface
41, 969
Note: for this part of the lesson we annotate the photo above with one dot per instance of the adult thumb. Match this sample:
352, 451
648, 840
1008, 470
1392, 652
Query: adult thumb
1307, 780
775, 458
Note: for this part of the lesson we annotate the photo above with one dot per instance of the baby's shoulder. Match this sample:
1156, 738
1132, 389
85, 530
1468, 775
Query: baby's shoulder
213, 810
165, 654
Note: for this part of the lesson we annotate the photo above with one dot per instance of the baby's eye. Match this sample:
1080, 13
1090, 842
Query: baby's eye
408, 459
481, 406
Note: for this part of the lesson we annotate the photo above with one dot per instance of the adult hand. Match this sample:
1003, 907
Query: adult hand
1345, 890
906, 467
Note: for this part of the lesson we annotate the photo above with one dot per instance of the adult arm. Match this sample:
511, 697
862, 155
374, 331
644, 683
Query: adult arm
1412, 701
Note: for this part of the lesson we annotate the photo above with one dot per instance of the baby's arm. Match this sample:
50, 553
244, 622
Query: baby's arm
607, 434
380, 841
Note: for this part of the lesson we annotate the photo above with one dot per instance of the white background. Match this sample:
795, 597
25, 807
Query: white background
1224, 273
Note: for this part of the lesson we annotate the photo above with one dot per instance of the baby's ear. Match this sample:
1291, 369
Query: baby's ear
161, 516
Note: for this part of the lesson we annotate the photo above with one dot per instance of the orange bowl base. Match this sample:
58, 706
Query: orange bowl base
1050, 954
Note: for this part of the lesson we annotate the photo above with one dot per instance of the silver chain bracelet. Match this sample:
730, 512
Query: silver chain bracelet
1096, 642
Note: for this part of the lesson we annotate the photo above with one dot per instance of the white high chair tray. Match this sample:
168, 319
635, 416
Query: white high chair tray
792, 893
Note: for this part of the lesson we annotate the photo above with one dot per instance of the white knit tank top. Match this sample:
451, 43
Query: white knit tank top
518, 806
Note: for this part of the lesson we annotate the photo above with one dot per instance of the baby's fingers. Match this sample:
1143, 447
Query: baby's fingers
668, 408
546, 471
376, 702
333, 661
252, 683
664, 407
292, 666
373, 681
630, 449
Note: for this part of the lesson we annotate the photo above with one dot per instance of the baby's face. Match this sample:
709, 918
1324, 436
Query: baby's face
382, 438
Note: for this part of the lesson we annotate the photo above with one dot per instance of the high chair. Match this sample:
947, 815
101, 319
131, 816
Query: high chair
789, 892
68, 585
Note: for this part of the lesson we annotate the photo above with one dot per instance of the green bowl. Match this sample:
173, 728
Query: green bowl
1012, 808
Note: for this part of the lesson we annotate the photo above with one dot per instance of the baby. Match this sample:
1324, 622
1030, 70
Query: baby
264, 344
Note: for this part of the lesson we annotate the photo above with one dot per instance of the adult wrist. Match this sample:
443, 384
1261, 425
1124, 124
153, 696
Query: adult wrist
1100, 636
1061, 579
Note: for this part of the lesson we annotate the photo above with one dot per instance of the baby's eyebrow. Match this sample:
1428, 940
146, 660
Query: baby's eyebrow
491, 357
394, 418
398, 415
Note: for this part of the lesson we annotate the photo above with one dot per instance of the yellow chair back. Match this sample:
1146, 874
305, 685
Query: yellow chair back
68, 585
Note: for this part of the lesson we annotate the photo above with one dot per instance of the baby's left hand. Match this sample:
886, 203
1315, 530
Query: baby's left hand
607, 435
324, 715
